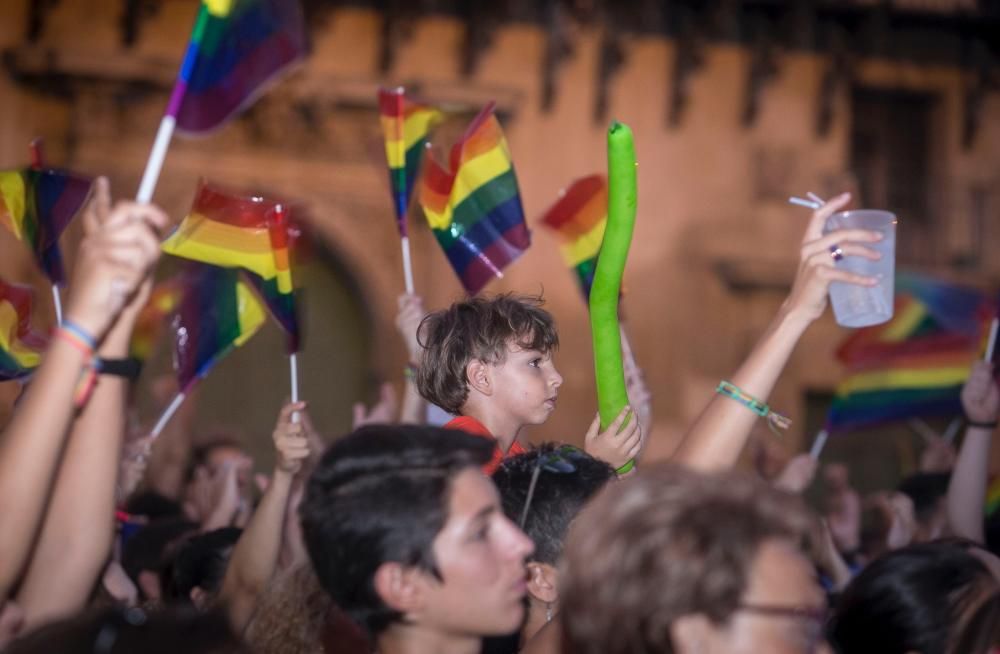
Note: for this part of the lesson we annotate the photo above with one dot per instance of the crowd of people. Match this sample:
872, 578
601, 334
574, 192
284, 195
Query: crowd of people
403, 537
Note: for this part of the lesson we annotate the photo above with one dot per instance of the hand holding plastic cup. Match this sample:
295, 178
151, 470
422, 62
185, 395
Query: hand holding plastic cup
861, 306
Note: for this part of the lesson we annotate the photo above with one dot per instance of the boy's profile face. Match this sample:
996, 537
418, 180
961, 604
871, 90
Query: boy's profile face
526, 384
481, 557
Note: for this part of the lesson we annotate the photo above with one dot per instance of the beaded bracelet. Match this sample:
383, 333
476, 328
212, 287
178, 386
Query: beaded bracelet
734, 392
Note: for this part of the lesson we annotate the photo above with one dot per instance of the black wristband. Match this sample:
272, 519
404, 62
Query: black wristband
128, 368
982, 425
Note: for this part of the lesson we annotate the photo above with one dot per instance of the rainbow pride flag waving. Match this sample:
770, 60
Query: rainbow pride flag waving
248, 232
162, 303
37, 205
20, 347
237, 47
915, 364
475, 209
217, 312
405, 125
578, 218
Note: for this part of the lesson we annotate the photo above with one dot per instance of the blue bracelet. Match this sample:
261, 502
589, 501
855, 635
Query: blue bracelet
80, 333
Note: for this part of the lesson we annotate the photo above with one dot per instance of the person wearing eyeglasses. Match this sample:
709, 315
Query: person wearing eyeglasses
489, 362
677, 561
408, 537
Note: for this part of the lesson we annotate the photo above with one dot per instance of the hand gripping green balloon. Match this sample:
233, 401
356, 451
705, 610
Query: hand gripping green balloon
604, 293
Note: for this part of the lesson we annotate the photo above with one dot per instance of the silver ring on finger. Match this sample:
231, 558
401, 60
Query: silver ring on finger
836, 252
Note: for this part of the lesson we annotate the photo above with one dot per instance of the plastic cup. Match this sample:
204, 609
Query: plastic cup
861, 306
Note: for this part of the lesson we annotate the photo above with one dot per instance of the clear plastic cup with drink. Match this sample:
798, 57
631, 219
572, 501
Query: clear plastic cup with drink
861, 306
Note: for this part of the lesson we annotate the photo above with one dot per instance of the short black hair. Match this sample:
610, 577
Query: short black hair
926, 489
558, 496
146, 549
910, 600
200, 563
381, 494
153, 505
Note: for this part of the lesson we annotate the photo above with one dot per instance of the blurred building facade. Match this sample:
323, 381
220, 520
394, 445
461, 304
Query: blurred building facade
735, 105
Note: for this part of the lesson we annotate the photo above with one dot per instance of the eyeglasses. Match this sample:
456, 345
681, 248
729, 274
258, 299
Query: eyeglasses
558, 461
814, 619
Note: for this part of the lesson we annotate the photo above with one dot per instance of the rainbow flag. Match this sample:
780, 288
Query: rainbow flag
578, 218
475, 210
915, 364
249, 232
405, 125
236, 49
217, 312
37, 205
20, 347
162, 303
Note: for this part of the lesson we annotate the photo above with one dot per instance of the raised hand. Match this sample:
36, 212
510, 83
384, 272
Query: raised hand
290, 440
614, 447
384, 411
411, 312
119, 249
816, 271
980, 395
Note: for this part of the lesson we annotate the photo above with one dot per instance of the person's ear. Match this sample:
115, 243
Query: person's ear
543, 582
149, 584
478, 375
400, 587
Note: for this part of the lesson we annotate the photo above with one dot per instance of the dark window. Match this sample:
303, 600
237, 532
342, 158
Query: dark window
891, 154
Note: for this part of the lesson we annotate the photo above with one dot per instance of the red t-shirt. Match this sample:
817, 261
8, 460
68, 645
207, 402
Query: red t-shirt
472, 426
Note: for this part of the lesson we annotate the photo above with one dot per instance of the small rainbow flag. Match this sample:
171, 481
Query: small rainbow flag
217, 312
914, 365
162, 303
37, 205
249, 232
578, 218
237, 47
405, 125
475, 210
20, 347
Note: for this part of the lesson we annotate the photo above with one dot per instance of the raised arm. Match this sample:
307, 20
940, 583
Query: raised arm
411, 312
967, 489
255, 557
718, 435
111, 263
81, 510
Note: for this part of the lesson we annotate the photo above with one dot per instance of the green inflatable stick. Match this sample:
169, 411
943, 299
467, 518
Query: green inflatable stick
604, 294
